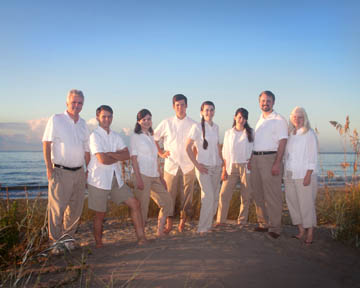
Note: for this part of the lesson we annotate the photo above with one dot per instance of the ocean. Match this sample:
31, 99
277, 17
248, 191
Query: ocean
24, 172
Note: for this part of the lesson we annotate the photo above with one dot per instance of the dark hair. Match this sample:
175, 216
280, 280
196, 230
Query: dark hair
245, 114
205, 143
140, 115
179, 97
269, 94
103, 108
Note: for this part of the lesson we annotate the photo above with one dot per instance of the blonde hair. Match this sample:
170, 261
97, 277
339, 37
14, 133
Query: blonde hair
74, 92
301, 110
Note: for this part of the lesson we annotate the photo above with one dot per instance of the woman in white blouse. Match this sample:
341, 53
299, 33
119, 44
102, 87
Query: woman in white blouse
148, 180
208, 162
236, 152
300, 176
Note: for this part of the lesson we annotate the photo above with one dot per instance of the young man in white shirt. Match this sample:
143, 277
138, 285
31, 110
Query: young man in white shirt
179, 173
66, 150
104, 178
271, 133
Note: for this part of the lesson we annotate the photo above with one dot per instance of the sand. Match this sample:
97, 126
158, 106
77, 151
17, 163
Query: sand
229, 256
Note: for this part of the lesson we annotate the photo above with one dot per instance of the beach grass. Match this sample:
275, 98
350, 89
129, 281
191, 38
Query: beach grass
23, 230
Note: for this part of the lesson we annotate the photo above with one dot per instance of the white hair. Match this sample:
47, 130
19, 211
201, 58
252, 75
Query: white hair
74, 92
302, 111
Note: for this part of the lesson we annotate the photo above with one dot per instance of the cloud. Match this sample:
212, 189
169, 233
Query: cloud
92, 124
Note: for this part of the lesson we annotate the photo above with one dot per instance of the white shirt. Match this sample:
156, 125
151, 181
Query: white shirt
210, 156
174, 132
143, 146
236, 148
269, 131
70, 140
301, 153
101, 175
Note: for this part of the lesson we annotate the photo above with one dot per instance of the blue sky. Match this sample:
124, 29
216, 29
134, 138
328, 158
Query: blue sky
138, 54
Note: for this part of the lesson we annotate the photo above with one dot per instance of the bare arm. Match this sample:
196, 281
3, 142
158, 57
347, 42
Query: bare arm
135, 165
189, 144
307, 178
162, 153
47, 158
275, 170
224, 175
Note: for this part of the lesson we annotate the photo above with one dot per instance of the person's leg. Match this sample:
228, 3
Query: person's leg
162, 199
292, 202
207, 199
245, 193
143, 196
186, 212
58, 198
97, 201
76, 202
98, 225
215, 173
226, 192
272, 194
258, 192
172, 183
137, 219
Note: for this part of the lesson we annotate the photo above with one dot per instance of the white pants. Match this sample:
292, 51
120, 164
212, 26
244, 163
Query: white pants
301, 199
210, 188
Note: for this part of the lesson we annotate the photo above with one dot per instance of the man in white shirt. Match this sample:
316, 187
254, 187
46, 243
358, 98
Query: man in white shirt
271, 133
104, 179
66, 150
179, 172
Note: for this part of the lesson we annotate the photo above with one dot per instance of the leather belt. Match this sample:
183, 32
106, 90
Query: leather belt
264, 152
67, 168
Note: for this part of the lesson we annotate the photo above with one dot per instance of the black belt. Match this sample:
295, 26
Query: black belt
67, 168
264, 152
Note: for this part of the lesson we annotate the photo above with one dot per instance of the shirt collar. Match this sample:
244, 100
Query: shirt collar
271, 115
103, 131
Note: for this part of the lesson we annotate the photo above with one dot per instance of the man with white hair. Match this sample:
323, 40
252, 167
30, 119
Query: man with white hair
66, 150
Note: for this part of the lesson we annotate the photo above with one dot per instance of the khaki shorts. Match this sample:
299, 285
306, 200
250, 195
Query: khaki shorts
97, 200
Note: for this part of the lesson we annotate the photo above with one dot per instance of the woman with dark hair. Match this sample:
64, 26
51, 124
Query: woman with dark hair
205, 137
148, 180
236, 152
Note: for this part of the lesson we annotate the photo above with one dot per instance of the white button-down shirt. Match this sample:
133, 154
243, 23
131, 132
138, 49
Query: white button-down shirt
269, 131
101, 175
210, 156
236, 148
174, 132
70, 140
301, 153
143, 146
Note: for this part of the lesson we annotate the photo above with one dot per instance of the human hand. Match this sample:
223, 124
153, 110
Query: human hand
202, 169
249, 165
140, 184
49, 172
165, 154
275, 169
307, 180
224, 175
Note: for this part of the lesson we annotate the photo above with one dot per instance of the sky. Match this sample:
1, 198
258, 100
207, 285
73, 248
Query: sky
138, 54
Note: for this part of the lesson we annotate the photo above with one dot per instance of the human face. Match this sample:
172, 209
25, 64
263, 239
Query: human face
145, 123
105, 119
240, 120
298, 120
180, 109
266, 103
74, 104
208, 113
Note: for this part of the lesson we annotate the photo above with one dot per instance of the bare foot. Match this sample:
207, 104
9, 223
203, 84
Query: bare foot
181, 225
99, 245
142, 241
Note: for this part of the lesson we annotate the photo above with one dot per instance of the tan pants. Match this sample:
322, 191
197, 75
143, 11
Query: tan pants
155, 189
267, 192
301, 200
238, 171
210, 186
65, 202
182, 185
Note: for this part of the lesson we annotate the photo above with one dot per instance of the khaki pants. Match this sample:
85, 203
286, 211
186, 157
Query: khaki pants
301, 200
155, 189
210, 186
267, 192
65, 202
238, 171
182, 185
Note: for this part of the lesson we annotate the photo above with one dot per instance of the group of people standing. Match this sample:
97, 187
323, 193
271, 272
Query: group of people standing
190, 149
